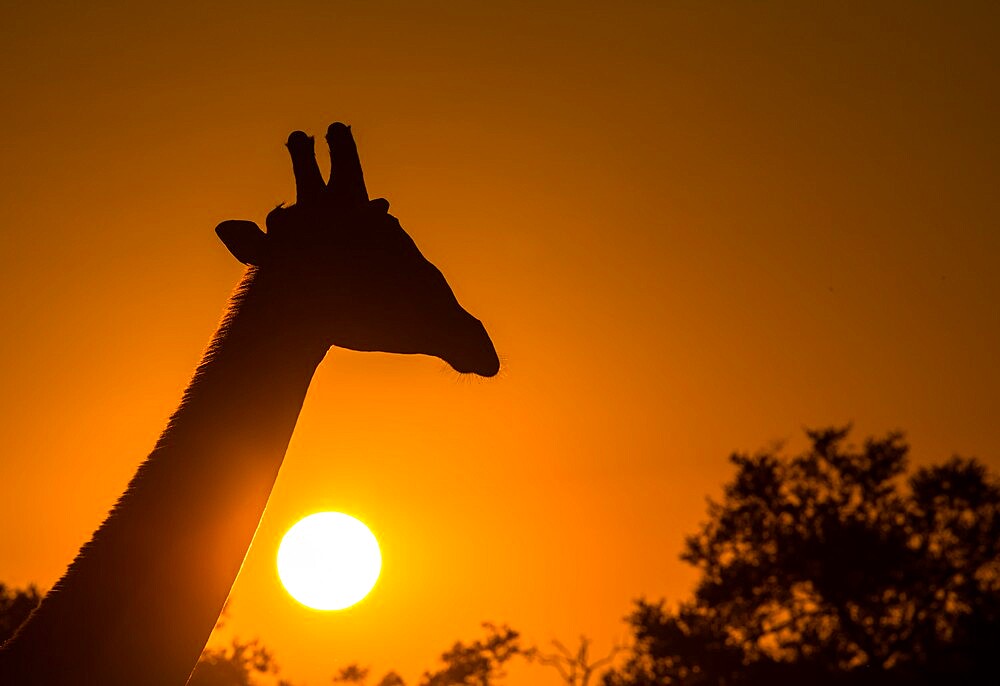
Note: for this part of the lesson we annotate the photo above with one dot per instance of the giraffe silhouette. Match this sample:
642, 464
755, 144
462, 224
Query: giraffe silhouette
138, 603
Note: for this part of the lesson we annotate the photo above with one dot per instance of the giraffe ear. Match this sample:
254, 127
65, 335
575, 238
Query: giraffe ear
245, 240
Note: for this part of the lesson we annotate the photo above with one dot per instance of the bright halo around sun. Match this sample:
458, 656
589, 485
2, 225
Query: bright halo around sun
329, 561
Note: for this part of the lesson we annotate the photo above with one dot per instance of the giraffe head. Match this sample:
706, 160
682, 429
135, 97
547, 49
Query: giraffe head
349, 272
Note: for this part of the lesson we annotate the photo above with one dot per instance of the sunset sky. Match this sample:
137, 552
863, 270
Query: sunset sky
691, 228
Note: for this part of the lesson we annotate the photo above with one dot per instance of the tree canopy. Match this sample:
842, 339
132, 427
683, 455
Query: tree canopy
833, 567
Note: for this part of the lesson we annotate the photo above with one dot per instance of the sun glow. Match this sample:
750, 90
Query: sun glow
329, 561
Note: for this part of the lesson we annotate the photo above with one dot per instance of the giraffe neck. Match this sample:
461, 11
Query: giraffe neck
140, 600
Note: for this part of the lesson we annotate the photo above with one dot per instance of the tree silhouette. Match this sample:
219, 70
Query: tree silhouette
352, 674
391, 679
574, 668
233, 666
356, 674
479, 663
830, 568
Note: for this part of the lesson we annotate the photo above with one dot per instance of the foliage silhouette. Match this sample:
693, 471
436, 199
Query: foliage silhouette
235, 666
479, 663
829, 568
352, 674
391, 679
574, 668
356, 674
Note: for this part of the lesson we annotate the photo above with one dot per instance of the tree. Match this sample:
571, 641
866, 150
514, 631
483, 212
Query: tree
352, 674
574, 668
392, 679
479, 663
233, 666
356, 674
830, 568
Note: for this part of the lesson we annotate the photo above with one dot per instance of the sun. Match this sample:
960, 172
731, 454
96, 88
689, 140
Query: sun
329, 561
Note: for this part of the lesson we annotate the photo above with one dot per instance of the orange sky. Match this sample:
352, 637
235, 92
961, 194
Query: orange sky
690, 230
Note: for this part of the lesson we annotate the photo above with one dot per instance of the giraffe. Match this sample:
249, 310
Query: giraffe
139, 601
